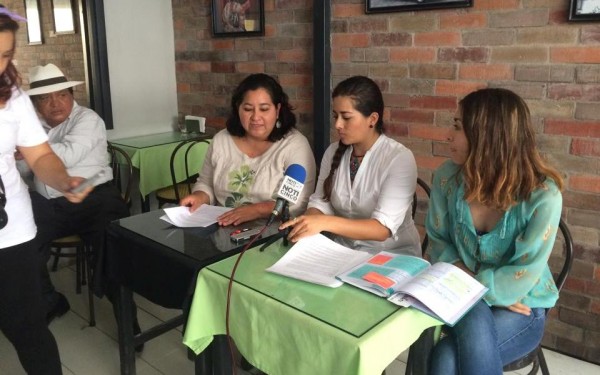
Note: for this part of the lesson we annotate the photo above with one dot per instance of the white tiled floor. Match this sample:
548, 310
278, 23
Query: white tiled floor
88, 350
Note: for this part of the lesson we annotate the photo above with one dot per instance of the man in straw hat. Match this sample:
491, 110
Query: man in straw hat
78, 136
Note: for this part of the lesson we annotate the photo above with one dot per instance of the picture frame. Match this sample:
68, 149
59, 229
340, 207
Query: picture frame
64, 20
233, 18
584, 10
34, 24
383, 6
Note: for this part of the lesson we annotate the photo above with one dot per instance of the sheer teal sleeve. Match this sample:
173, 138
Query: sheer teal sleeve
437, 223
526, 273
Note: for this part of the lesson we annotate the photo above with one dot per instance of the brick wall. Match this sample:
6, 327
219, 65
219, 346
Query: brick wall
424, 62
64, 50
208, 69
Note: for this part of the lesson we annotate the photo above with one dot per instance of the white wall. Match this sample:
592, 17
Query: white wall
141, 63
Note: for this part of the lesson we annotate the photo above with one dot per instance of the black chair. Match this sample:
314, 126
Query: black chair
121, 165
122, 168
181, 185
535, 358
427, 191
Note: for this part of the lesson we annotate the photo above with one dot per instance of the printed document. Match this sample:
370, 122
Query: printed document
203, 217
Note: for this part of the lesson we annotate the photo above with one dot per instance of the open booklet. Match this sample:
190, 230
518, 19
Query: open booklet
440, 290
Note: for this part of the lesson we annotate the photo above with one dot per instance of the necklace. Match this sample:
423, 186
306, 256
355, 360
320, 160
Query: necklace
355, 161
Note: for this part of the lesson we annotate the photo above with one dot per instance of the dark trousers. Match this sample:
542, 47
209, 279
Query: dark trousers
58, 217
22, 317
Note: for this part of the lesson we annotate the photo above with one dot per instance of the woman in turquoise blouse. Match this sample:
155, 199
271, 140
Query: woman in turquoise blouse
494, 212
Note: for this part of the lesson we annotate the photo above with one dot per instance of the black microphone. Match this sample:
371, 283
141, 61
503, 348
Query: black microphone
289, 191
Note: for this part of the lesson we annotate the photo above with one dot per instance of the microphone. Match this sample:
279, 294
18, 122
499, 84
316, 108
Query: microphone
289, 191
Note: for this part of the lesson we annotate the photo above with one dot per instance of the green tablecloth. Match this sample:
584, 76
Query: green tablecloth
286, 326
151, 155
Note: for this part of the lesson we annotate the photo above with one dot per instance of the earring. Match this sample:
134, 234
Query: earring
371, 126
278, 124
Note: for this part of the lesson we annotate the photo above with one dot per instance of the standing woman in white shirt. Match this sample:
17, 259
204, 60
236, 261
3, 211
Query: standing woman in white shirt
22, 315
367, 180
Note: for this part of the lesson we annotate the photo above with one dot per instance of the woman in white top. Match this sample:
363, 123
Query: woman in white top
245, 163
367, 181
22, 312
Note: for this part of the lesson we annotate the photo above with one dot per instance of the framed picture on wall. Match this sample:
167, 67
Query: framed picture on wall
379, 6
585, 10
64, 21
238, 18
34, 25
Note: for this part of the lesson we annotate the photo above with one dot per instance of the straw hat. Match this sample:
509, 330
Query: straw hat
46, 79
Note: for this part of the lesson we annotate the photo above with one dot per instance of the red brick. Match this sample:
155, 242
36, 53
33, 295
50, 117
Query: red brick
434, 102
223, 44
580, 55
573, 128
485, 71
421, 55
222, 67
463, 54
586, 93
496, 4
183, 87
250, 67
585, 147
350, 40
575, 285
438, 38
412, 116
347, 10
294, 55
427, 132
394, 129
391, 39
586, 183
340, 55
457, 88
429, 162
462, 20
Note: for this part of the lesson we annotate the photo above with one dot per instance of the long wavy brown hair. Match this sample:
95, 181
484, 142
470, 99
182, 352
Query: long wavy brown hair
503, 165
10, 77
366, 98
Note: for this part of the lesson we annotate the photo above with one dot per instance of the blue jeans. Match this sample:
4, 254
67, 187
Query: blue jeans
486, 339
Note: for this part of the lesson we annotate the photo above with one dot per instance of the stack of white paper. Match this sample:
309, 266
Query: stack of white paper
204, 216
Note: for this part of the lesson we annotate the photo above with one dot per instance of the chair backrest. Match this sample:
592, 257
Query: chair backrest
427, 190
561, 277
186, 147
120, 162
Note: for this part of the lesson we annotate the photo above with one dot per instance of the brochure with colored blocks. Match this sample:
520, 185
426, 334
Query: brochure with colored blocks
442, 290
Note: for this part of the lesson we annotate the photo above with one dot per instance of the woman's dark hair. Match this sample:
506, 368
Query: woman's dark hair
261, 81
10, 77
367, 99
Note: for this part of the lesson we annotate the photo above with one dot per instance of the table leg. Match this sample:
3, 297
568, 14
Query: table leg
221, 356
203, 362
146, 203
124, 309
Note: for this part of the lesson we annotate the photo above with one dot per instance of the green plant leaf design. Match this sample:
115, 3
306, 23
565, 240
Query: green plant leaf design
236, 200
241, 180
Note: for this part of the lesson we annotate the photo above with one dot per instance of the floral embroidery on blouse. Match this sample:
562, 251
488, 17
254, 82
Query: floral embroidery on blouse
241, 179
547, 233
512, 259
240, 182
520, 274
